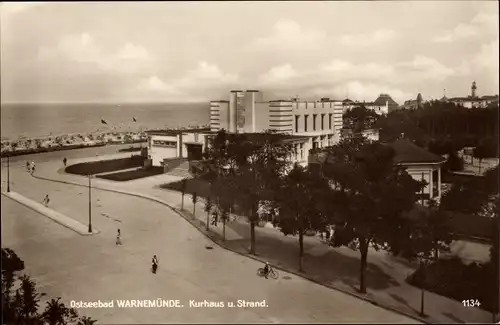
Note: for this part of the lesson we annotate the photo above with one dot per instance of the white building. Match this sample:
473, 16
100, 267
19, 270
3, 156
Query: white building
311, 124
304, 124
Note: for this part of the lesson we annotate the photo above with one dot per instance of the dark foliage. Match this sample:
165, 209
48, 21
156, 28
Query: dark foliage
21, 299
105, 166
132, 174
454, 279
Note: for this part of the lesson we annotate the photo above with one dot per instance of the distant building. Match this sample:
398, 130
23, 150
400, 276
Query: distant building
382, 105
472, 101
414, 103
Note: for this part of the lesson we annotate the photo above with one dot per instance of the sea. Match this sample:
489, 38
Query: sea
44, 119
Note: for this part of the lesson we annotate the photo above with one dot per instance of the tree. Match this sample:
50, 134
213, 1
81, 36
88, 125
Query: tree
194, 199
86, 321
22, 305
359, 118
208, 208
224, 215
488, 148
56, 313
454, 162
371, 194
183, 190
298, 205
428, 231
250, 165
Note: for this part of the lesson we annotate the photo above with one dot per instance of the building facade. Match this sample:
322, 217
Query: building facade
165, 145
313, 124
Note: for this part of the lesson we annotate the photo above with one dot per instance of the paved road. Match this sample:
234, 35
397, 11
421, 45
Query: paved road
92, 268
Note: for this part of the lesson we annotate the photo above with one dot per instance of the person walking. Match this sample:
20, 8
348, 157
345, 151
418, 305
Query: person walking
214, 219
155, 264
118, 238
65, 161
32, 167
28, 168
46, 200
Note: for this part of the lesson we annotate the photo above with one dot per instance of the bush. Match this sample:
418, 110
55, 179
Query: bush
454, 279
132, 174
105, 166
454, 162
131, 149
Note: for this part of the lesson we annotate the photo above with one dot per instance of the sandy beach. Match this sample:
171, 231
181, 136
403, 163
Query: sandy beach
52, 142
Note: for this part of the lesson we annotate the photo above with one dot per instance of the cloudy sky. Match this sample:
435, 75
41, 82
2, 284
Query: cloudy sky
197, 51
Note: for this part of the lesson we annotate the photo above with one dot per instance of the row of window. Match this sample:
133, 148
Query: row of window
162, 143
314, 116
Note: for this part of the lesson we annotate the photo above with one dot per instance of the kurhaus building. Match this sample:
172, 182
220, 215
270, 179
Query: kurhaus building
312, 124
304, 124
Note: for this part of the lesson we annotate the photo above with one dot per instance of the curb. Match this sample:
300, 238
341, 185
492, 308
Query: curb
204, 232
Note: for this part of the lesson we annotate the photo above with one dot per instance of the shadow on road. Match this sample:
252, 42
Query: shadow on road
327, 266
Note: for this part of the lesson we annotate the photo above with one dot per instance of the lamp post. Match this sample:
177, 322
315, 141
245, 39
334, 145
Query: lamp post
90, 204
498, 265
423, 262
8, 174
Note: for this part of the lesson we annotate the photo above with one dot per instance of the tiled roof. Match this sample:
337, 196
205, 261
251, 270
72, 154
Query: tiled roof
407, 152
383, 98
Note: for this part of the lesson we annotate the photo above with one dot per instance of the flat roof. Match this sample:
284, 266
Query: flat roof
286, 137
176, 132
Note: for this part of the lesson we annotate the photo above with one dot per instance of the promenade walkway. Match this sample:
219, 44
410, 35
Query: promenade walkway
61, 219
337, 268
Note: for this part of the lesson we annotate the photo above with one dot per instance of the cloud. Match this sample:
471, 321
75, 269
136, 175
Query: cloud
345, 69
462, 31
83, 48
7, 8
288, 34
486, 19
278, 74
423, 68
133, 52
488, 57
199, 82
483, 23
369, 39
360, 80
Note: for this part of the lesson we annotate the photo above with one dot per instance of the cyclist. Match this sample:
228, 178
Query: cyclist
267, 269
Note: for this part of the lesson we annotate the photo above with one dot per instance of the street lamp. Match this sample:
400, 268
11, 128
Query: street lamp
423, 265
8, 173
498, 263
90, 203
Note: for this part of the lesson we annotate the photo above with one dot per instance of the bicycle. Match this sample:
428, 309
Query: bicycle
272, 273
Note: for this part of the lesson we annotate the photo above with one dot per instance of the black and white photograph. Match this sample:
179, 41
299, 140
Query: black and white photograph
218, 162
